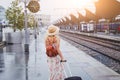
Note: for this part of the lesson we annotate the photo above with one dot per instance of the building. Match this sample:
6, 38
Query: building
3, 20
43, 20
2, 13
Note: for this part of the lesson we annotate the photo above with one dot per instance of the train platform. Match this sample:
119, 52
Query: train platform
2, 43
15, 64
98, 34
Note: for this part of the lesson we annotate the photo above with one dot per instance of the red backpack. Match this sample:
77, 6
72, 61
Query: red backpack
51, 50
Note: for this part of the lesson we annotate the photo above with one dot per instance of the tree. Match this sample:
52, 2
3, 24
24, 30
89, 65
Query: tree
15, 16
31, 21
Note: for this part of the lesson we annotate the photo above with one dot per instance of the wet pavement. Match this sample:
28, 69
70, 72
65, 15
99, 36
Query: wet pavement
15, 64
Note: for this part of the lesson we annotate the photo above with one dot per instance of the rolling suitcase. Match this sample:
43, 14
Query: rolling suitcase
71, 76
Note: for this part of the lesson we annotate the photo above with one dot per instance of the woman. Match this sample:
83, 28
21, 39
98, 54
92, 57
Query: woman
54, 63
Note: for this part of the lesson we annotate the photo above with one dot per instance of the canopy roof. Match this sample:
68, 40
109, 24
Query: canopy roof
107, 9
63, 21
80, 18
91, 16
74, 19
67, 20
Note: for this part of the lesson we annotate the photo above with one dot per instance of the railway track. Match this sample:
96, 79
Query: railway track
106, 52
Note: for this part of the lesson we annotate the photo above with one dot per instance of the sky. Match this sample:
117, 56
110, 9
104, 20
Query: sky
5, 3
60, 8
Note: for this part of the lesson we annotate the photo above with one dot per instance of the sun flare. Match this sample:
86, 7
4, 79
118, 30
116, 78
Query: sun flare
80, 6
61, 8
81, 3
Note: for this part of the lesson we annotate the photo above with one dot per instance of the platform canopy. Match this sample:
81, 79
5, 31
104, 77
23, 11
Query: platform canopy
57, 22
63, 21
60, 22
107, 9
91, 16
80, 17
67, 20
74, 19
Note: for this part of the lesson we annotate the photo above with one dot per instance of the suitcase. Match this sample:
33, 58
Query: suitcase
71, 76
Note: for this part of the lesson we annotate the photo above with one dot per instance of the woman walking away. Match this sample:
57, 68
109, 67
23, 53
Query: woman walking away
54, 54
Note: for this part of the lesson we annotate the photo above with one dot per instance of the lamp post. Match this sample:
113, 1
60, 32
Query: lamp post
35, 26
26, 45
34, 7
1, 32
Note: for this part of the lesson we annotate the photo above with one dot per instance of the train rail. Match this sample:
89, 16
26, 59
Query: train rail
107, 52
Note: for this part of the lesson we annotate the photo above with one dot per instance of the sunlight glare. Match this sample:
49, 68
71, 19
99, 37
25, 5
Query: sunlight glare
81, 3
60, 8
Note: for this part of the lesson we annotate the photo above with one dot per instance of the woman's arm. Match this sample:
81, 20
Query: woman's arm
46, 41
58, 49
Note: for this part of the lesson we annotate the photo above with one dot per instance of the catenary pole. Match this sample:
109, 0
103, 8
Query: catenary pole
26, 45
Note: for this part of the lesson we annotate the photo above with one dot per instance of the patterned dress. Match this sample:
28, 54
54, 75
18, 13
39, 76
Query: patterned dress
56, 68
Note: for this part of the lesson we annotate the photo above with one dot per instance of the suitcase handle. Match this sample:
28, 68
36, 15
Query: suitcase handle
63, 60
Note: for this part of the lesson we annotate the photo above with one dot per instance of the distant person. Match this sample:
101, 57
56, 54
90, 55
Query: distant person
54, 57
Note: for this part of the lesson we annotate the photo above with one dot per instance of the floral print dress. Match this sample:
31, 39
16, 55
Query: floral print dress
56, 68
